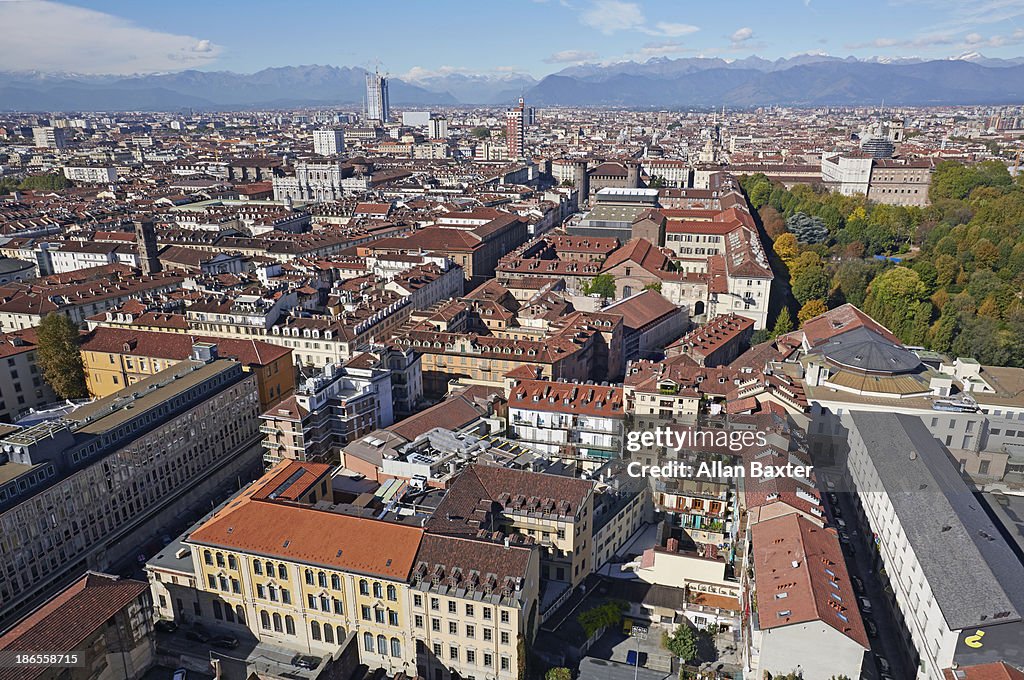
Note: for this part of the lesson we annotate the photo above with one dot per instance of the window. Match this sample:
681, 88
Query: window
470, 631
392, 618
451, 607
208, 557
453, 653
396, 647
453, 628
328, 634
265, 620
325, 603
382, 645
470, 656
504, 637
378, 590
277, 623
286, 597
270, 569
488, 660
364, 612
335, 582
261, 592
282, 572
378, 615
505, 663
217, 614
469, 610
322, 579
392, 593
309, 577
364, 589
983, 467
487, 613
314, 630
417, 600
289, 625
368, 642
488, 634
258, 568
418, 621
212, 580
311, 601
504, 616
232, 562
435, 603
437, 649
220, 560
435, 625
338, 609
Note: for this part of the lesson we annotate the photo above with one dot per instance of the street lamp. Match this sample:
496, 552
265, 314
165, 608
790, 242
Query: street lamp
638, 633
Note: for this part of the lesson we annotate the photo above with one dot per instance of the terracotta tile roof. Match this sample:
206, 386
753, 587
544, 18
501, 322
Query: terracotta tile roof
443, 555
986, 671
307, 535
289, 480
800, 561
177, 345
69, 618
824, 327
551, 396
643, 308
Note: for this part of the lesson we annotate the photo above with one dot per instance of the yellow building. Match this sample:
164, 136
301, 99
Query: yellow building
117, 357
271, 566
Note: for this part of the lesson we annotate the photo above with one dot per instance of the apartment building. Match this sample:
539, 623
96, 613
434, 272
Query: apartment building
337, 405
104, 619
952, 574
21, 382
115, 358
554, 511
577, 421
800, 610
80, 490
91, 174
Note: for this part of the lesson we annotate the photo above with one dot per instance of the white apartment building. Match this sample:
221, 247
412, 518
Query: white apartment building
90, 174
850, 175
953, 576
328, 142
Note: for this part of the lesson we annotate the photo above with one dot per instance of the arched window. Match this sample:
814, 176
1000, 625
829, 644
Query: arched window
314, 628
364, 589
328, 633
378, 590
257, 566
277, 623
396, 647
392, 593
382, 645
289, 625
240, 613
368, 642
335, 582
208, 557
341, 634
282, 572
265, 620
322, 579
220, 560
309, 577
270, 569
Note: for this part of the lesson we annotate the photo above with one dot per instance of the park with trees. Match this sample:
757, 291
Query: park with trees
948, 277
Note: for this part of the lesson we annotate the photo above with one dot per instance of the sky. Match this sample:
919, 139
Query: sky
415, 39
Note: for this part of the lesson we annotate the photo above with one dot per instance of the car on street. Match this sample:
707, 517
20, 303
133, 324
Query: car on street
858, 584
884, 668
165, 626
871, 628
865, 604
197, 634
307, 662
224, 641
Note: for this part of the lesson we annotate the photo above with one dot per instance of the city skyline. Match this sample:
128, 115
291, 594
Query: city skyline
128, 38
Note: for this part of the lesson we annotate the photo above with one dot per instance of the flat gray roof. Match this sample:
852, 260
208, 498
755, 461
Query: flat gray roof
973, 573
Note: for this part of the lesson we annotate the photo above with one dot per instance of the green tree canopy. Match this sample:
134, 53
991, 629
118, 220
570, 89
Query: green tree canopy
59, 358
602, 284
682, 642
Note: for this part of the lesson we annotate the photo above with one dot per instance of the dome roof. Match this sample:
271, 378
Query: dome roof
865, 350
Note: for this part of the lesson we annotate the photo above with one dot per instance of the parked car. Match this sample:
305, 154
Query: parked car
865, 605
197, 634
883, 665
840, 522
858, 584
180, 674
224, 641
165, 626
872, 629
307, 662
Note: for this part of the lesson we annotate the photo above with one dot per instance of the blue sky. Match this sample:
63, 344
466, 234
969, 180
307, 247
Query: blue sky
417, 38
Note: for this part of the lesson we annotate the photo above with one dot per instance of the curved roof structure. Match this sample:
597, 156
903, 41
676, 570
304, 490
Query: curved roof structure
865, 350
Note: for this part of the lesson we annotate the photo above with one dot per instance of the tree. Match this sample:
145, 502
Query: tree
560, 673
48, 182
602, 284
897, 299
59, 358
811, 309
806, 228
811, 283
480, 132
653, 286
682, 642
786, 248
772, 222
783, 323
607, 615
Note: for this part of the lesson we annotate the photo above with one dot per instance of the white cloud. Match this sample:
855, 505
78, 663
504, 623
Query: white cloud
671, 30
570, 57
611, 16
742, 35
40, 35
